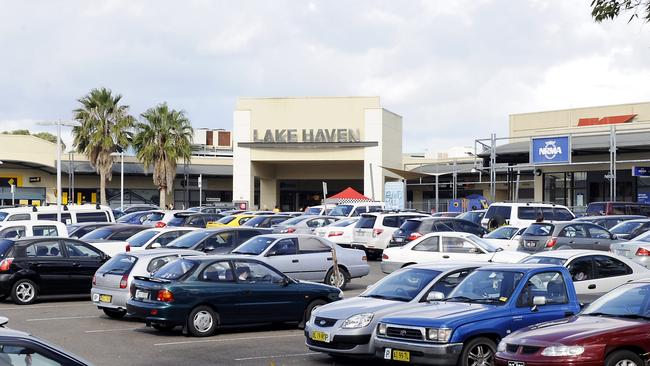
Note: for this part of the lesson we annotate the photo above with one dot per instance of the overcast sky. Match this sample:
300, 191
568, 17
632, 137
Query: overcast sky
454, 69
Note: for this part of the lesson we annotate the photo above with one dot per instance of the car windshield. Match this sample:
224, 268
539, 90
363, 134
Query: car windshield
487, 286
226, 219
626, 227
344, 223
254, 246
141, 238
539, 230
188, 240
256, 221
97, 234
341, 210
126, 218
544, 260
402, 285
3, 215
313, 211
628, 301
504, 232
119, 265
295, 220
175, 270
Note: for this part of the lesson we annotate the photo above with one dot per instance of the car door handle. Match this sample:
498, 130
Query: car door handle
295, 261
597, 242
569, 313
591, 287
571, 242
329, 258
445, 256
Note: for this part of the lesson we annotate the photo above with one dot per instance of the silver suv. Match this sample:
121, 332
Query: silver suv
374, 231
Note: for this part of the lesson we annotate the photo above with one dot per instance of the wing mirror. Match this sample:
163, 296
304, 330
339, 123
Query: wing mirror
155, 245
538, 301
208, 248
435, 296
614, 237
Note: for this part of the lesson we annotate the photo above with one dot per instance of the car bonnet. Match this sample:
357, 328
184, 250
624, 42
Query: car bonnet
443, 313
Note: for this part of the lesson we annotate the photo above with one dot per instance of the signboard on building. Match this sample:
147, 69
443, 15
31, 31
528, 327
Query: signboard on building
394, 195
550, 150
641, 171
294, 135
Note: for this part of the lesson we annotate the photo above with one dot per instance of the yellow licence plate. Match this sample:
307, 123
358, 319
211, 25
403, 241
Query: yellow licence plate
105, 298
404, 356
320, 336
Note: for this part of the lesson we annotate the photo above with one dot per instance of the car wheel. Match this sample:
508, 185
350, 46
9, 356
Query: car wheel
163, 327
24, 292
114, 313
344, 278
202, 321
624, 358
310, 309
478, 352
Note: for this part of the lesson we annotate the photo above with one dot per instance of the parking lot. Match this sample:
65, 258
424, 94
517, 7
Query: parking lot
77, 325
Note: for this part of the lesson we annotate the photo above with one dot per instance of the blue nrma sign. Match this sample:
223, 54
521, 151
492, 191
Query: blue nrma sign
550, 150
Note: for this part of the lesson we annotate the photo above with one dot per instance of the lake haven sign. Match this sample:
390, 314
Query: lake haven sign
294, 135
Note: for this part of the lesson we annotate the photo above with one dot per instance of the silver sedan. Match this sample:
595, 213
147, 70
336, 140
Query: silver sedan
345, 327
307, 257
637, 249
306, 224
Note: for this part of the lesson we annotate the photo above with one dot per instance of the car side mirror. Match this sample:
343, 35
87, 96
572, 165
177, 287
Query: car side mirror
284, 282
614, 237
155, 245
539, 301
435, 296
271, 253
208, 248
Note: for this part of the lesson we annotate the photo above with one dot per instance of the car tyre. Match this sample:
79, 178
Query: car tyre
310, 309
202, 321
479, 351
627, 358
24, 292
342, 282
114, 313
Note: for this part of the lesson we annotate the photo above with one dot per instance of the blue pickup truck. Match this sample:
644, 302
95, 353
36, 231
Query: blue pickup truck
465, 328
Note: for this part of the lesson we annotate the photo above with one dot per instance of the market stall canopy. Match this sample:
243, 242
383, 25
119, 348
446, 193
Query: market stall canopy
407, 174
346, 196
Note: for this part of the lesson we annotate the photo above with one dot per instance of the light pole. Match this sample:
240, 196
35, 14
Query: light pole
121, 154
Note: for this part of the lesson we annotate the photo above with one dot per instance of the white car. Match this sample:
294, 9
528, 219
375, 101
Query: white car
594, 272
70, 214
156, 237
161, 218
374, 231
506, 237
448, 245
24, 228
320, 210
523, 214
356, 209
339, 232
637, 249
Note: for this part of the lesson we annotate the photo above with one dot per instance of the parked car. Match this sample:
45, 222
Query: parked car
161, 218
20, 348
230, 220
70, 214
112, 281
612, 331
78, 230
198, 220
231, 212
446, 246
345, 327
445, 214
637, 249
506, 237
266, 221
202, 293
486, 306
474, 216
356, 209
128, 209
374, 231
216, 241
416, 228
306, 257
205, 209
608, 222
565, 235
136, 218
156, 237
320, 210
32, 267
594, 273
618, 208
303, 224
523, 214
339, 232
630, 229
24, 228
112, 239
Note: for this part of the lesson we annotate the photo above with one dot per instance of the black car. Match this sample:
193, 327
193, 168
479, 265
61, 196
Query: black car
266, 221
216, 241
81, 229
609, 221
20, 348
193, 219
114, 232
36, 266
414, 228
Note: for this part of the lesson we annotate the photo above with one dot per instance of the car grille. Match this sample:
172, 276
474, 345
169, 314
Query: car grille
529, 350
404, 333
526, 350
324, 322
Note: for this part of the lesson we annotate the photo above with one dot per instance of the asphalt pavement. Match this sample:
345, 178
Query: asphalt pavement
79, 327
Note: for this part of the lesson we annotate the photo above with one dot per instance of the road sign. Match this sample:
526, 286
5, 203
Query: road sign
213, 199
641, 171
325, 189
199, 182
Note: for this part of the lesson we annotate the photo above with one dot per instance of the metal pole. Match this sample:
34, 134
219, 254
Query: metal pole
13, 190
517, 186
122, 181
493, 161
372, 183
58, 171
436, 207
613, 132
74, 199
454, 182
200, 189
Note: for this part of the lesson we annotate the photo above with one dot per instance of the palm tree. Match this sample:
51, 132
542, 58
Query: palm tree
163, 138
105, 128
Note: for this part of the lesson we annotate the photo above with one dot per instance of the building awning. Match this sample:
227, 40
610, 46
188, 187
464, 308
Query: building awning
407, 174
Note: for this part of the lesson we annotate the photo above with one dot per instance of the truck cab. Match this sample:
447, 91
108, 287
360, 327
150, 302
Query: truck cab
465, 327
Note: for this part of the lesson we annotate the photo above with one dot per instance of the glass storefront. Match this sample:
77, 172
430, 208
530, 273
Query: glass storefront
577, 189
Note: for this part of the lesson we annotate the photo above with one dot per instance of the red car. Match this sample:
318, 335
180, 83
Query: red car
613, 331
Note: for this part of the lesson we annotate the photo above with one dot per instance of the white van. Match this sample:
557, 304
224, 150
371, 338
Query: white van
356, 209
523, 214
23, 228
374, 231
71, 214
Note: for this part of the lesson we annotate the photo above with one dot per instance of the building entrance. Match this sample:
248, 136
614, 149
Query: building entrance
295, 195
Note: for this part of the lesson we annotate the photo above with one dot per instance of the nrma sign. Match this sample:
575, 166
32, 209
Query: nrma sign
550, 150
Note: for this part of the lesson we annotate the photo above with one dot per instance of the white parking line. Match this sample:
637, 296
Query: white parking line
110, 330
228, 339
27, 307
63, 318
276, 356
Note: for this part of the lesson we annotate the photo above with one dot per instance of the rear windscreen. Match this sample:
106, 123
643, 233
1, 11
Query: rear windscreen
5, 245
366, 222
120, 264
410, 225
539, 230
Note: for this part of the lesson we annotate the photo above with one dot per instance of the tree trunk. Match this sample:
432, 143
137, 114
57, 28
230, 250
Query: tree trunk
102, 188
163, 198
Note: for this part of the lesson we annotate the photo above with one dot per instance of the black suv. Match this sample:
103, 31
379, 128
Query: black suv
414, 228
35, 266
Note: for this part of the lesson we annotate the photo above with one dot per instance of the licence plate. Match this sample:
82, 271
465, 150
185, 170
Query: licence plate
531, 244
320, 336
105, 298
399, 240
397, 355
139, 294
516, 363
621, 252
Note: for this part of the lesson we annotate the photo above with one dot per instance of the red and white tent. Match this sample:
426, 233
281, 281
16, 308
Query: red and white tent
348, 195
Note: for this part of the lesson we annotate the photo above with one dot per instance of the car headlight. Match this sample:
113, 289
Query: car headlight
560, 351
357, 321
381, 329
501, 347
438, 334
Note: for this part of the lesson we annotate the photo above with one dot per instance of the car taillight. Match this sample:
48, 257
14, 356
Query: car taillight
551, 242
165, 296
124, 281
6, 264
128, 247
94, 280
335, 233
384, 256
643, 252
377, 232
290, 230
160, 224
364, 258
413, 236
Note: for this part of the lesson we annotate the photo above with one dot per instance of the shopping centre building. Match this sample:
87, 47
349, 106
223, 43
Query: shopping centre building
281, 150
